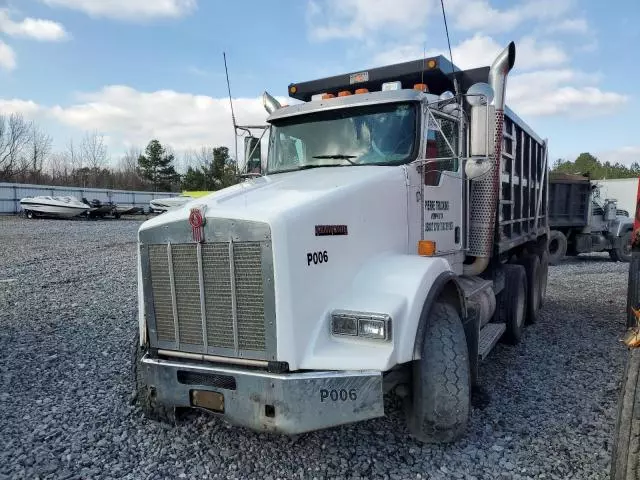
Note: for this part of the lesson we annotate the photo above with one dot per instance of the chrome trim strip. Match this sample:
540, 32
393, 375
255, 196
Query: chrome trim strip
234, 301
203, 314
214, 358
174, 302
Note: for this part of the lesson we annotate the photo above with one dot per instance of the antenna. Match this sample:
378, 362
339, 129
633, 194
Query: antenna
233, 116
453, 68
424, 59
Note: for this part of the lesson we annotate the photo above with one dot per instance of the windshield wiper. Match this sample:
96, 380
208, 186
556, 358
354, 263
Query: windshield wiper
307, 167
338, 156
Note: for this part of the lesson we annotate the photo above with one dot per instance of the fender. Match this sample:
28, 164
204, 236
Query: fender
393, 284
621, 225
445, 285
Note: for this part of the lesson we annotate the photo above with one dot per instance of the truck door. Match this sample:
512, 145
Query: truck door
442, 183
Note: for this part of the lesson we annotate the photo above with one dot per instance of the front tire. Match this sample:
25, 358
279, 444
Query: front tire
625, 458
622, 252
29, 214
143, 395
439, 405
633, 289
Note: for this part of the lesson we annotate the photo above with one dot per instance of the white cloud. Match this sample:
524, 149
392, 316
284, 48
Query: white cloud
361, 18
34, 28
625, 155
28, 108
480, 51
554, 92
128, 9
182, 120
480, 16
7, 56
576, 25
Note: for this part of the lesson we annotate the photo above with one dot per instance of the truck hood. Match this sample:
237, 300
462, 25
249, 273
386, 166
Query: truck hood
269, 197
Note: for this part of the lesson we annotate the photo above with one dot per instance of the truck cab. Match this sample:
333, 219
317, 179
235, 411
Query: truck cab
396, 233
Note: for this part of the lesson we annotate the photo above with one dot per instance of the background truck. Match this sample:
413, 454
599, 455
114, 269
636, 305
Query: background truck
582, 222
398, 231
625, 458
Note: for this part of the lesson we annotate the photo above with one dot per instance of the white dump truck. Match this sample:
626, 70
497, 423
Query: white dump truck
397, 231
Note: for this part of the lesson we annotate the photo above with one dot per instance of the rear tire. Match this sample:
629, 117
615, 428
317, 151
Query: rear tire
531, 264
511, 303
143, 395
625, 457
557, 247
544, 275
440, 402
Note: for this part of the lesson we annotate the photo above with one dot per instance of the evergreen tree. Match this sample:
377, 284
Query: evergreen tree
156, 165
218, 171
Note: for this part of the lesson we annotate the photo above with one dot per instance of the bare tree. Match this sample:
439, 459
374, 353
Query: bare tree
39, 150
14, 138
129, 161
93, 150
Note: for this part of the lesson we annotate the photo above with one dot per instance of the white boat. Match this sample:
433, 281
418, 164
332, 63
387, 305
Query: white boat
63, 207
163, 204
128, 209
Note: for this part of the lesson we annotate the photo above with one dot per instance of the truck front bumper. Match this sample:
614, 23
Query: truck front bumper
286, 403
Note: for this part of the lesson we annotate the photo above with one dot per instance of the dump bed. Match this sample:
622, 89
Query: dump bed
523, 185
568, 200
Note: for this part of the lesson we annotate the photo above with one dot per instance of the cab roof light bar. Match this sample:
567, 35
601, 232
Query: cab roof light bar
436, 72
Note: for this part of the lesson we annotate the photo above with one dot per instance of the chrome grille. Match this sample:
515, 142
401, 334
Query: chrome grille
161, 288
187, 287
210, 298
219, 307
250, 296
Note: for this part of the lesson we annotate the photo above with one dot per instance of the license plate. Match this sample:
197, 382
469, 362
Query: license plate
209, 400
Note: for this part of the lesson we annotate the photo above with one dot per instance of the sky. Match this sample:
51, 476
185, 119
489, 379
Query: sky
134, 70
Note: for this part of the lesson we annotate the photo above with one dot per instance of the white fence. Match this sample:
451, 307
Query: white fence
11, 193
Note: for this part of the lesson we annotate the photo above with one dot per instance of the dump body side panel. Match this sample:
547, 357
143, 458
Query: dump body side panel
523, 202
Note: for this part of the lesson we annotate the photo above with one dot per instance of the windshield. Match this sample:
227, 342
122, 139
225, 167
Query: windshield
373, 135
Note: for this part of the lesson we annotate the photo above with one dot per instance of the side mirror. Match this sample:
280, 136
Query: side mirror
270, 103
252, 155
477, 167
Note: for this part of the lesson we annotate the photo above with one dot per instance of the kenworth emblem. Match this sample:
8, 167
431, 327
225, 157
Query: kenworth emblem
197, 221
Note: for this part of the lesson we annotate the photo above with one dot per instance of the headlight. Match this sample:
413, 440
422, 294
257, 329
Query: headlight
373, 326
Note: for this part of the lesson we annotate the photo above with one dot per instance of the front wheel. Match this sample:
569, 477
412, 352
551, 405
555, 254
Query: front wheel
143, 395
439, 405
622, 252
625, 458
29, 214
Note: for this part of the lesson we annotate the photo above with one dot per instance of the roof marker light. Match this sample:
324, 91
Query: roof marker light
344, 93
361, 90
397, 85
422, 87
327, 96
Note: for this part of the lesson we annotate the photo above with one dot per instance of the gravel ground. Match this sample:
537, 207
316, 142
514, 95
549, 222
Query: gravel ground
68, 313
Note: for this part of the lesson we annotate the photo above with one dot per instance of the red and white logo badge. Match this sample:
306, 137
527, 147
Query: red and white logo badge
197, 221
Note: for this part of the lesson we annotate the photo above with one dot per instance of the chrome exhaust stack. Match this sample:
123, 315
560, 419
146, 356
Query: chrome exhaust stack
484, 192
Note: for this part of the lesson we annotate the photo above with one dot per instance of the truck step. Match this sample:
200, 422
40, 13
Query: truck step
489, 336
